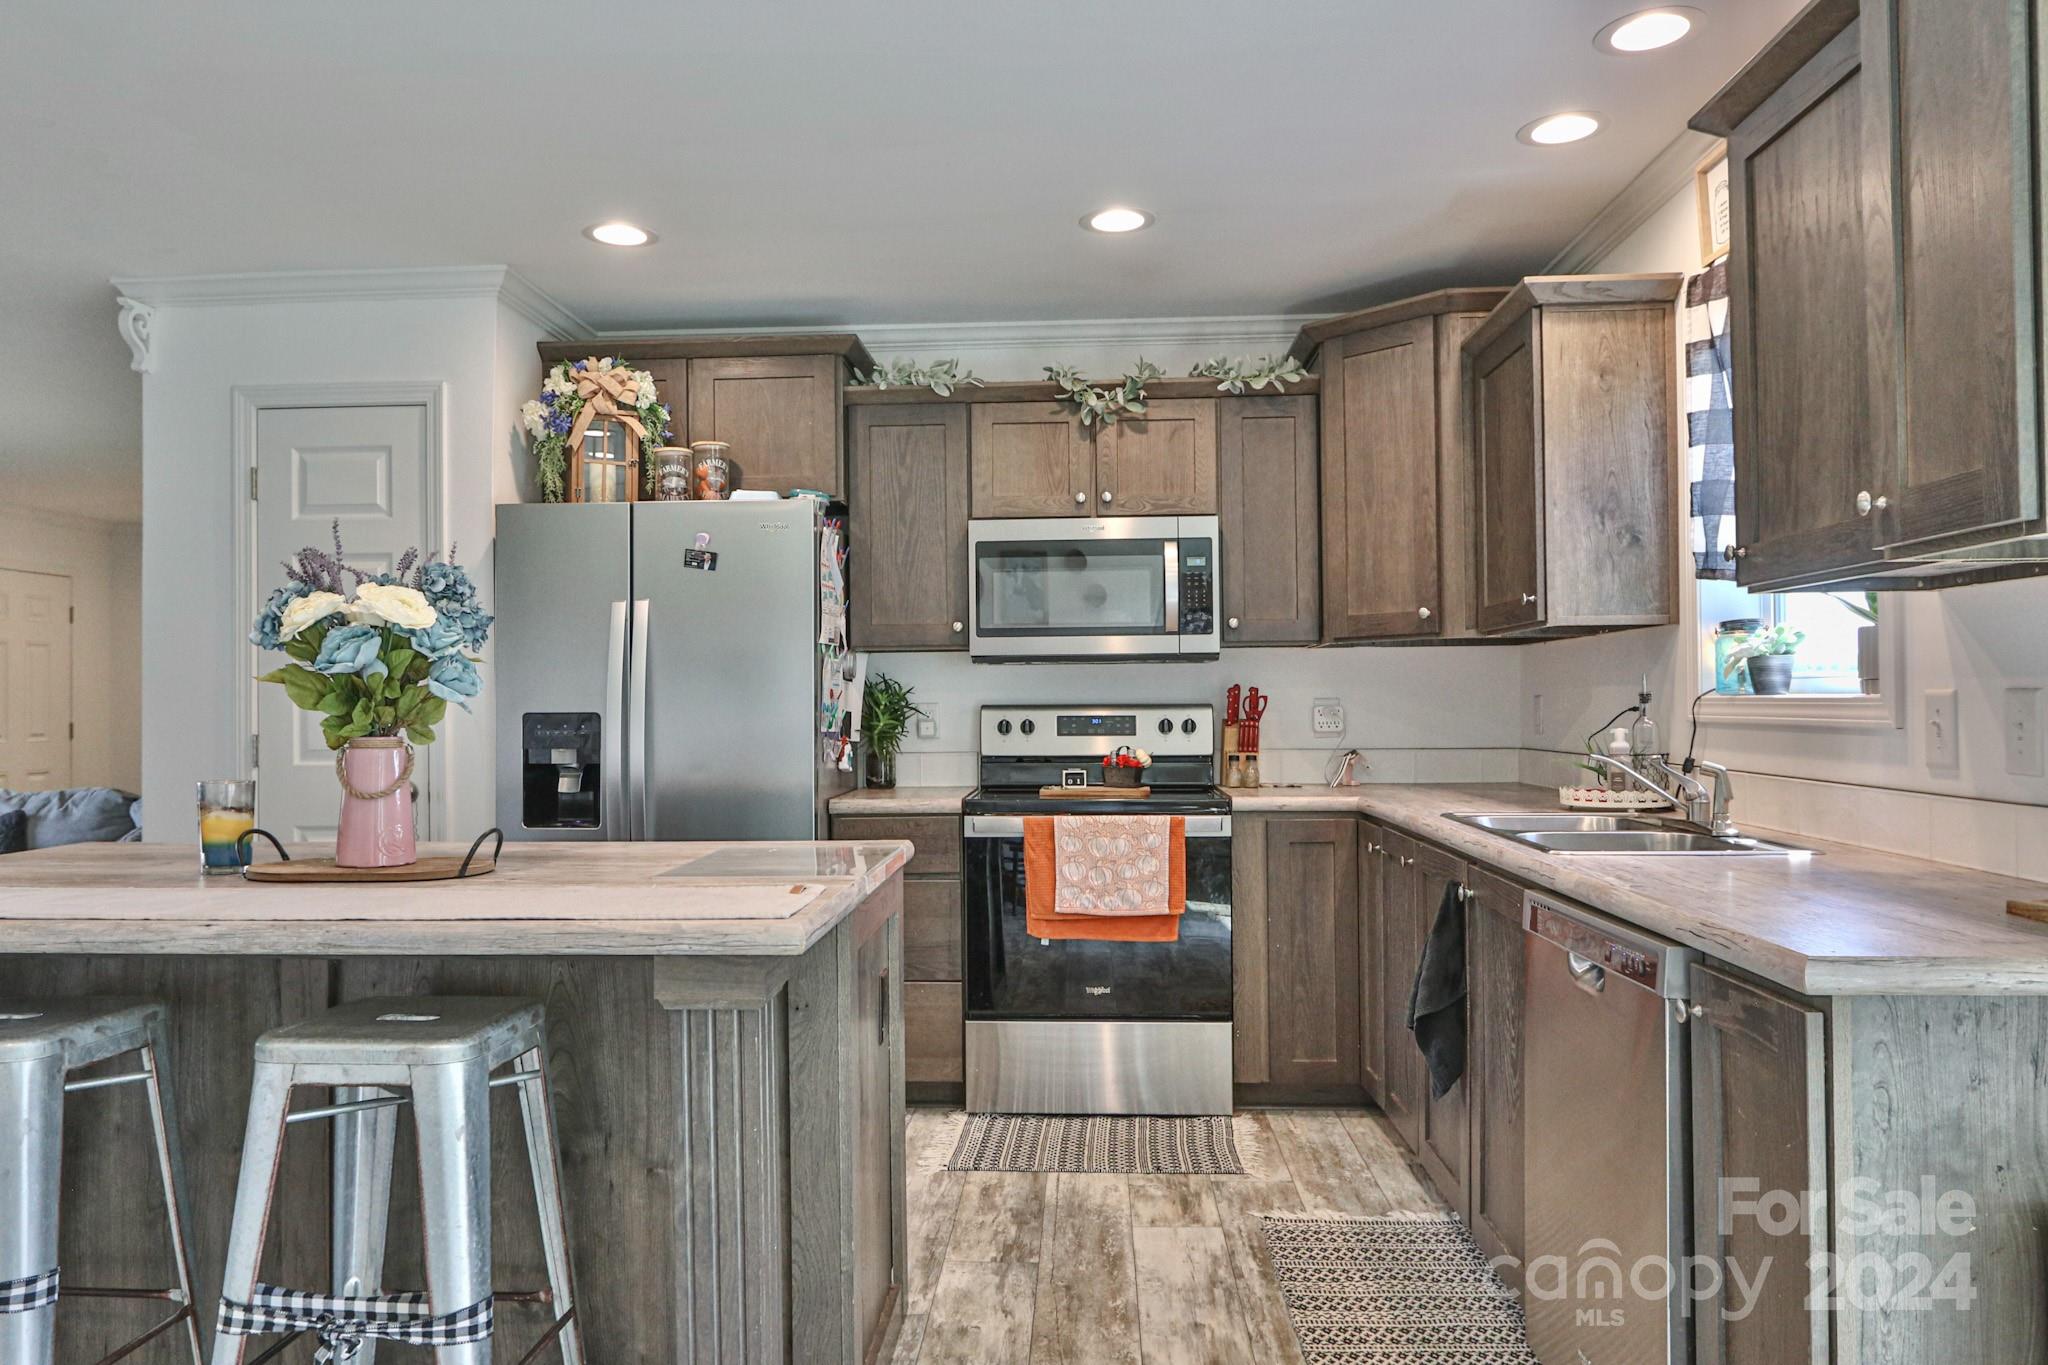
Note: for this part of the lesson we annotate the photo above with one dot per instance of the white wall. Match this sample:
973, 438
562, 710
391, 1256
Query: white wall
101, 560
1978, 640
192, 653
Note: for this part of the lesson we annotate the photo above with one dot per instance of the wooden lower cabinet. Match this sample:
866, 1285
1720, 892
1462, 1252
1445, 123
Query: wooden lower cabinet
934, 1033
1759, 1124
880, 1215
933, 1007
1372, 948
1401, 1080
1295, 902
1446, 1118
1495, 983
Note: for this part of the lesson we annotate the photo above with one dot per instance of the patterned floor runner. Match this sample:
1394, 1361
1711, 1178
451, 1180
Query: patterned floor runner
1098, 1145
1393, 1291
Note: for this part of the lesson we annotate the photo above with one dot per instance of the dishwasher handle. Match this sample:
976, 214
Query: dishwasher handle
1589, 975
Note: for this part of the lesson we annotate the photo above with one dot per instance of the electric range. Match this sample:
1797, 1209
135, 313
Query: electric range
1076, 1026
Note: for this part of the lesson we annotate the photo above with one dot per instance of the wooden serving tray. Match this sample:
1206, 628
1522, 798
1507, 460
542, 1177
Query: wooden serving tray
440, 868
1095, 793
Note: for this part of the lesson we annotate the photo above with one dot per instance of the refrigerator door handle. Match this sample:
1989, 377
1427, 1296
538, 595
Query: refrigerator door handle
614, 749
638, 732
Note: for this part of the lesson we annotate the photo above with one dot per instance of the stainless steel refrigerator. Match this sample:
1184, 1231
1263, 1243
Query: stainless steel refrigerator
647, 691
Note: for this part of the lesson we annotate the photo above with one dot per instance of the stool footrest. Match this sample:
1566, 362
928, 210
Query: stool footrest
185, 1311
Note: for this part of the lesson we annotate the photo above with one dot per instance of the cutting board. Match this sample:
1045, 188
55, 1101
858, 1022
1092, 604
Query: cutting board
1097, 793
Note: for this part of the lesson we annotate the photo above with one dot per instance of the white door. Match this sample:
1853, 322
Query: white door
367, 468
35, 681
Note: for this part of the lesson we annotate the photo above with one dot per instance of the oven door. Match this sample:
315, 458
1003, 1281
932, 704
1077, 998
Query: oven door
1063, 587
1011, 975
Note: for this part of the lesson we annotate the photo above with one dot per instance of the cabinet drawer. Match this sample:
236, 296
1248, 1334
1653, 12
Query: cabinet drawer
934, 1032
937, 838
931, 930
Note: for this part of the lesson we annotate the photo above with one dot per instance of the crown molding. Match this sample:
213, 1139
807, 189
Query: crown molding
1668, 172
1275, 332
323, 286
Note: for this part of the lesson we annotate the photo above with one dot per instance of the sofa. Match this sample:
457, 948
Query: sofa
74, 815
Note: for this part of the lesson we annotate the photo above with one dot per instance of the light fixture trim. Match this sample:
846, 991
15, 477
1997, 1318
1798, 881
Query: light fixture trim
1648, 30
1121, 218
618, 232
1560, 129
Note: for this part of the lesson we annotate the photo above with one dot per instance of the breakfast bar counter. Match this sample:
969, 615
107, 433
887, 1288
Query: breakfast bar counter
724, 1035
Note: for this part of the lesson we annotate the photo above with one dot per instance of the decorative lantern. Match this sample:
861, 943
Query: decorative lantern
589, 426
605, 465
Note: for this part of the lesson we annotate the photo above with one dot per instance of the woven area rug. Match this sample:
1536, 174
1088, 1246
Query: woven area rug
1098, 1145
1393, 1291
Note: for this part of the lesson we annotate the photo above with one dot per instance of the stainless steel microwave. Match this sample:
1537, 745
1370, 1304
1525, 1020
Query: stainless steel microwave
1093, 587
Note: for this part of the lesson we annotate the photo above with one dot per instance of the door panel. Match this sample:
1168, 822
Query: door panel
1507, 420
1401, 1082
365, 468
908, 527
1267, 502
35, 681
1372, 931
1030, 460
1380, 484
1163, 463
1493, 1067
1311, 940
780, 414
1446, 1118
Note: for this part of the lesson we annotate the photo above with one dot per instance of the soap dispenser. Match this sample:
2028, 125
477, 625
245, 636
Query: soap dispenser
1618, 749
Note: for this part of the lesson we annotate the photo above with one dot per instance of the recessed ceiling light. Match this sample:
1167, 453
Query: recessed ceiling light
1647, 30
618, 234
1117, 220
1554, 129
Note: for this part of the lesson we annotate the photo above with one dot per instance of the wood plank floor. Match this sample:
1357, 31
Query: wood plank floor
1034, 1269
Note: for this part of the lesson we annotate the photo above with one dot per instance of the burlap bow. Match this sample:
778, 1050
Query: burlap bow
607, 391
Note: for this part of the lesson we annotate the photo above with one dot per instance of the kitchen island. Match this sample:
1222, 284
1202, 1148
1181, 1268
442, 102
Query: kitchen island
726, 1059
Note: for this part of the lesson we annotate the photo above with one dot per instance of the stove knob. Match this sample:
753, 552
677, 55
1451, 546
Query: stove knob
1026, 726
1165, 727
1002, 727
1187, 727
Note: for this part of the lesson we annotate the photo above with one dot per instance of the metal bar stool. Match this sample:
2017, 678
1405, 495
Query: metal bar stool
41, 1044
439, 1051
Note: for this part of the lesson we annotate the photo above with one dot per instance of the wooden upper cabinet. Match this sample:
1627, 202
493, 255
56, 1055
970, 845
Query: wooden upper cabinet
1394, 481
780, 415
1759, 1123
1809, 442
1161, 464
1266, 501
1574, 399
1949, 93
907, 527
1031, 460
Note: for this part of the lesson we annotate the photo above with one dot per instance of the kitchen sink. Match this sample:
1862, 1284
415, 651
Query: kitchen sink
1613, 834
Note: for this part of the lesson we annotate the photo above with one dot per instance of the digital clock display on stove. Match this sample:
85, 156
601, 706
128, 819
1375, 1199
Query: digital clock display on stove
1098, 725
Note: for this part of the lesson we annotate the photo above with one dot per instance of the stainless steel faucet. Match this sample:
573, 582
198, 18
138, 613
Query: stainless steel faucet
1704, 808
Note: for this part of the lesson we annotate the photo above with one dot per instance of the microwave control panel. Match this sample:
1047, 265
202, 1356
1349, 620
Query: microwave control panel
1197, 587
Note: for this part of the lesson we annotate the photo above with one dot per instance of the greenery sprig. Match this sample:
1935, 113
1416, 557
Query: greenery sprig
1105, 405
1237, 375
940, 376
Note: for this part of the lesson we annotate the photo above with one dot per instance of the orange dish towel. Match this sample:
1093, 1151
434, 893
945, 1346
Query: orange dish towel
1110, 878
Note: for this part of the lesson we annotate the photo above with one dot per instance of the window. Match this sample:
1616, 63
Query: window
1829, 681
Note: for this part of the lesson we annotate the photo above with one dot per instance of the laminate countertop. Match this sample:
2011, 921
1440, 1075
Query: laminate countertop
1848, 921
887, 801
651, 899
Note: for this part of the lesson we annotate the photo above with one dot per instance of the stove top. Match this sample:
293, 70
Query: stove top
988, 800
1026, 747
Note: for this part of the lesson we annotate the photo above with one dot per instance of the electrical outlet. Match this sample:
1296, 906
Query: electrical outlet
927, 728
1941, 727
1329, 716
2023, 731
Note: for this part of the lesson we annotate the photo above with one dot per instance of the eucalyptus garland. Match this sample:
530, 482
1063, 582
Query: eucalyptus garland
1238, 375
940, 376
1105, 405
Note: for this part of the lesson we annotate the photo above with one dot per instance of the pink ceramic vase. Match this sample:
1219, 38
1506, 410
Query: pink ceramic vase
376, 804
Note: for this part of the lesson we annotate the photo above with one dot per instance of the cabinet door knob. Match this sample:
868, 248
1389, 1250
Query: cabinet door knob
1881, 502
1863, 503
959, 626
1528, 599
1422, 612
1105, 495
1735, 552
1080, 497
1233, 623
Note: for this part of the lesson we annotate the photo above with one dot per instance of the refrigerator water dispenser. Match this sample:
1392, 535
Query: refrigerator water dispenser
561, 778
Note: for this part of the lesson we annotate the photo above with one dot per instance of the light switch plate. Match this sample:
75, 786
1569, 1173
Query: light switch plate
1940, 727
927, 728
1329, 716
2023, 731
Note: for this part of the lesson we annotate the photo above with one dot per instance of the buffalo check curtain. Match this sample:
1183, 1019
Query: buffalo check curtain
1710, 421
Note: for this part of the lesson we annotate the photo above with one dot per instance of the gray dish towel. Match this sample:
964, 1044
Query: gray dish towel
1436, 1007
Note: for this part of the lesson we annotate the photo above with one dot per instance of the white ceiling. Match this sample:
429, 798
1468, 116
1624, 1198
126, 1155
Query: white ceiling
893, 161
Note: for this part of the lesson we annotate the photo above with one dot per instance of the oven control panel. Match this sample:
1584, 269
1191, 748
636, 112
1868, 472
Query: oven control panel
1061, 731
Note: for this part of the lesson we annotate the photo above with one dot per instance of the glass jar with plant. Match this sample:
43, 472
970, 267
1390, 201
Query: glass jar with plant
1768, 657
886, 709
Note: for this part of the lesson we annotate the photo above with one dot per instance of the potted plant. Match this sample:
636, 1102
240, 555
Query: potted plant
1768, 657
1866, 639
885, 712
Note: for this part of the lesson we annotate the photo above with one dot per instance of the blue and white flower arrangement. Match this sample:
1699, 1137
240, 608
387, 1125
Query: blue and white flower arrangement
376, 654
574, 394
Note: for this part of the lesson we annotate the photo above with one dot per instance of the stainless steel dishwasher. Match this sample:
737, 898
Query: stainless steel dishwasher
1607, 1111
